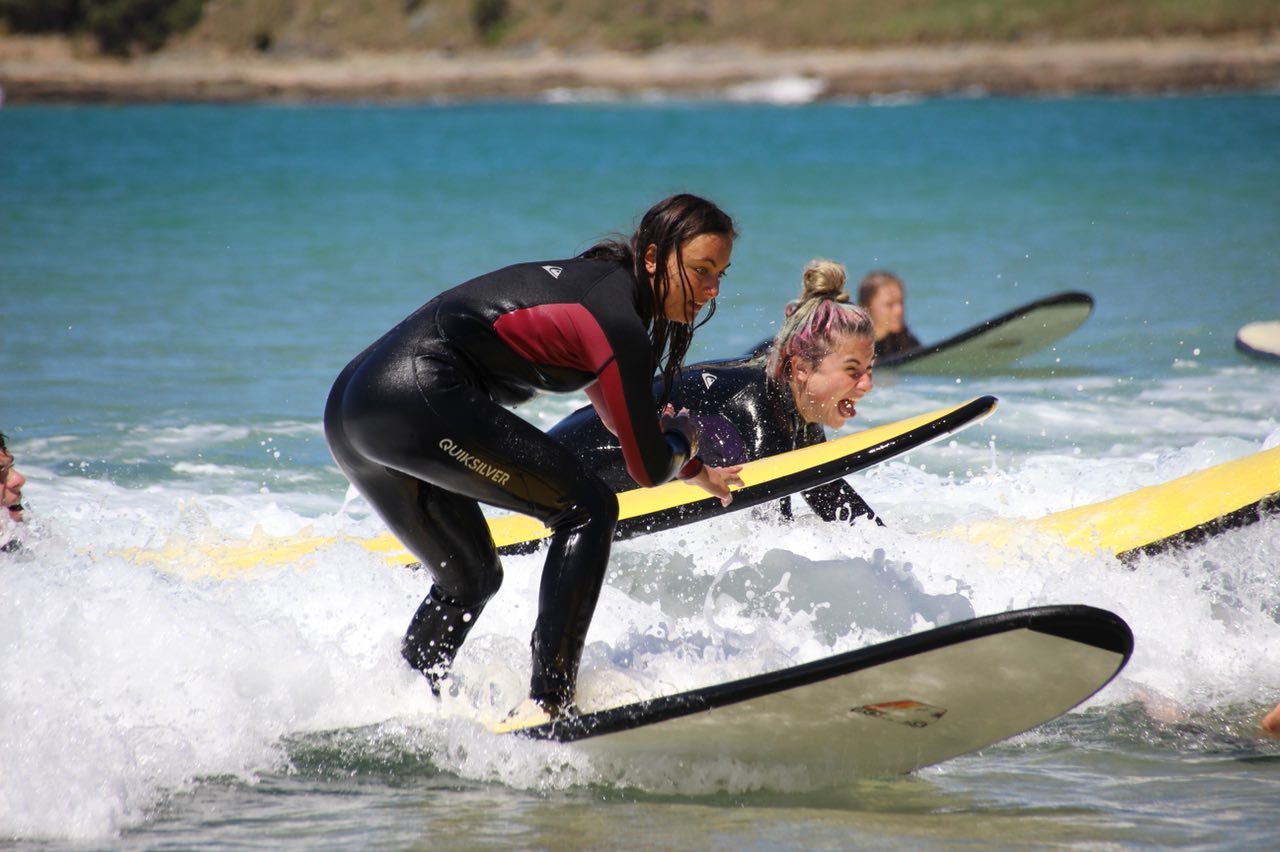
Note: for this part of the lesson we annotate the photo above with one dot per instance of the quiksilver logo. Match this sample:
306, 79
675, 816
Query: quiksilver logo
554, 270
471, 462
708, 379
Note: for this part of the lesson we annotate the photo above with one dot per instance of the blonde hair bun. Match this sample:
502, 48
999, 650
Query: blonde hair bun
824, 279
818, 319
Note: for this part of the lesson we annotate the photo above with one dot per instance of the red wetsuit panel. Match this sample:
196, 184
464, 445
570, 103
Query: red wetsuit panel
568, 335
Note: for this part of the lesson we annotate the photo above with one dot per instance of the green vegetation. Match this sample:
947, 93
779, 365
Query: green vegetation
866, 23
121, 27
904, 21
490, 18
124, 26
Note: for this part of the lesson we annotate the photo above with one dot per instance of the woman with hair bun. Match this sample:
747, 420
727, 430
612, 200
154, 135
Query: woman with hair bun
813, 374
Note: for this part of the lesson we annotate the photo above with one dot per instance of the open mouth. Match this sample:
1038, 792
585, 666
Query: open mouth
846, 408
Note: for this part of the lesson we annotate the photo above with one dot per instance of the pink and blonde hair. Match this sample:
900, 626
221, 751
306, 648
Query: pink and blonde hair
819, 320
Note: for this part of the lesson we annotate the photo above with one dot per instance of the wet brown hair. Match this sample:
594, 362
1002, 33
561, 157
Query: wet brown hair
873, 281
669, 225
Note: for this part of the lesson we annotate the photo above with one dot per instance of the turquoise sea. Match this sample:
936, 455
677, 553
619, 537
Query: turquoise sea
181, 284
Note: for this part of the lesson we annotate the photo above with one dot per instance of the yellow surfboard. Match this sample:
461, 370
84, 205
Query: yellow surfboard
646, 510
642, 510
1182, 511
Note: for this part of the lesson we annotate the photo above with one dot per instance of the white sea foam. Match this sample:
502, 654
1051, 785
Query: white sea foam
125, 680
789, 89
580, 95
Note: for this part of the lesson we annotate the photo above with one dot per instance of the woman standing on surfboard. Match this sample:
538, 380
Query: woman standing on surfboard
812, 375
418, 422
883, 295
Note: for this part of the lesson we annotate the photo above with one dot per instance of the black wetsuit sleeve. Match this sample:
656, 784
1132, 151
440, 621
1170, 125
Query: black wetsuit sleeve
834, 501
837, 501
598, 448
623, 395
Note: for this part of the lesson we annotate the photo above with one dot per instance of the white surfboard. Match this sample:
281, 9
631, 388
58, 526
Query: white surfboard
1000, 341
1260, 339
989, 346
887, 709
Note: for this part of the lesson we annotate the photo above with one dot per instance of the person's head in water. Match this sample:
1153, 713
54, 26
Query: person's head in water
884, 296
825, 349
11, 482
682, 248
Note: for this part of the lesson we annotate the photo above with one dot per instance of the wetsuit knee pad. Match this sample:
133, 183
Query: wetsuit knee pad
477, 588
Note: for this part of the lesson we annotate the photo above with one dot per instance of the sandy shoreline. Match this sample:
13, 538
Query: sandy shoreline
36, 70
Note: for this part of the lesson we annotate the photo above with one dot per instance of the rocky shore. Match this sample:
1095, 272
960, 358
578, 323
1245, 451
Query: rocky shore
34, 70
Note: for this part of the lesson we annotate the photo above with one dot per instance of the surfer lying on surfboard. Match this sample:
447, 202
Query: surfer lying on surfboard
813, 375
419, 423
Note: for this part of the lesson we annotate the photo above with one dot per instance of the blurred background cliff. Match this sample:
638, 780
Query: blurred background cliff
328, 27
1220, 43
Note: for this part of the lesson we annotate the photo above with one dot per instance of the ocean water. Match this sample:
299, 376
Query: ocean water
182, 283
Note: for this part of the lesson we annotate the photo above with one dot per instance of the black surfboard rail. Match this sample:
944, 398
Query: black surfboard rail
1087, 625
1190, 537
1268, 351
801, 480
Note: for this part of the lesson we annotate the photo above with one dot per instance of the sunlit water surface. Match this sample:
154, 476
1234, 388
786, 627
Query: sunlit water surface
181, 285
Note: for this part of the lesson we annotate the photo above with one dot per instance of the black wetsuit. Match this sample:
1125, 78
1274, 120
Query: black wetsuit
417, 423
741, 415
895, 342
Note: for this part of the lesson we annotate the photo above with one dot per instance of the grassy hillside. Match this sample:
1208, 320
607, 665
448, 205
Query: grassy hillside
271, 49
329, 26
